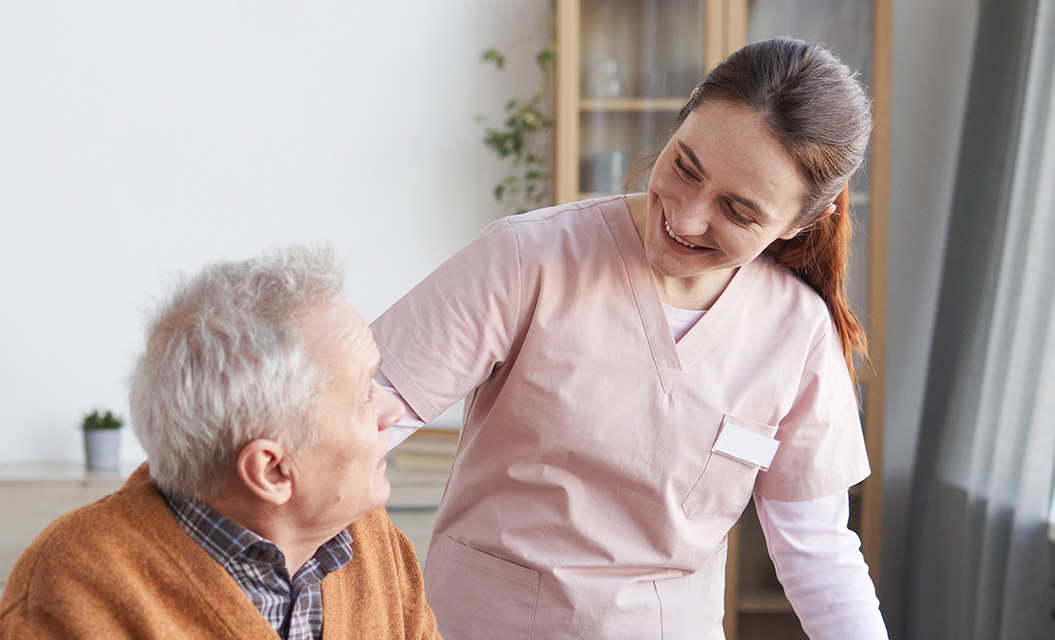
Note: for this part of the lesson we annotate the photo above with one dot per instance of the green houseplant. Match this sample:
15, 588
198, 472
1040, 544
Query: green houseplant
520, 139
102, 440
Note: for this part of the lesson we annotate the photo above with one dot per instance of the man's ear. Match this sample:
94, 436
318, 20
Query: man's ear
265, 468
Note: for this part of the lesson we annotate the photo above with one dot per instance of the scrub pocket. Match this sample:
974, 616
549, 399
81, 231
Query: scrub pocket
476, 595
693, 606
726, 483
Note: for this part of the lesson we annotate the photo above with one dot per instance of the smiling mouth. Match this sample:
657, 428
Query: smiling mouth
677, 238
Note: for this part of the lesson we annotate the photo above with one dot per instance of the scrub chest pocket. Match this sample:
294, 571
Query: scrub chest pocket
742, 448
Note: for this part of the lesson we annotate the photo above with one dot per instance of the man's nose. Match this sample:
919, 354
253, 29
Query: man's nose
391, 410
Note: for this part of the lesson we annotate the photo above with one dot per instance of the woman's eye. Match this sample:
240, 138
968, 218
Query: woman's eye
735, 216
679, 165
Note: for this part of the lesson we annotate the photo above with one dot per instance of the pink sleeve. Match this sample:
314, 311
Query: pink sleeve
448, 334
822, 448
818, 561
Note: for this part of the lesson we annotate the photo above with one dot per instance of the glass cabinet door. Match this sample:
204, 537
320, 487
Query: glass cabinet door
638, 60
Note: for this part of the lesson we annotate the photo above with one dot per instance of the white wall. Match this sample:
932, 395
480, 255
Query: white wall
140, 139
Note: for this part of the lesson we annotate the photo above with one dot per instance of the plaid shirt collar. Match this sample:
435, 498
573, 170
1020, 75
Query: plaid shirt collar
293, 606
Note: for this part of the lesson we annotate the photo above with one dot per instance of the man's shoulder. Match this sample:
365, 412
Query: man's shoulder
80, 541
94, 539
122, 563
87, 526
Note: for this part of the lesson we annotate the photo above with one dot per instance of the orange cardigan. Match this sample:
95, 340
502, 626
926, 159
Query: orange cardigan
122, 567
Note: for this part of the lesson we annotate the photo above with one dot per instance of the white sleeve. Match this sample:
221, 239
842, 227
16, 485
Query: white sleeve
818, 561
408, 424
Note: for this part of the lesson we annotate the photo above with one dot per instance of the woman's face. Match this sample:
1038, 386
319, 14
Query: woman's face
721, 191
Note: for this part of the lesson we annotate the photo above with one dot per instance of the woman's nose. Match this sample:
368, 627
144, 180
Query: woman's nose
691, 219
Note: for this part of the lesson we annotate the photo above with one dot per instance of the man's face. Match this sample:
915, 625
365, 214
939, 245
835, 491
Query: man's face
342, 477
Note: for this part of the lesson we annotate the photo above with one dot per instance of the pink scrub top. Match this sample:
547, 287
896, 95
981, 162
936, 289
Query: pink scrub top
585, 499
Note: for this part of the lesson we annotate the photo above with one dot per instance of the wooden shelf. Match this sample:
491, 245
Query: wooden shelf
633, 104
763, 601
426, 451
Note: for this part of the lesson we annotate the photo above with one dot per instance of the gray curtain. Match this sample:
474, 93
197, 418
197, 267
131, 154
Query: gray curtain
978, 556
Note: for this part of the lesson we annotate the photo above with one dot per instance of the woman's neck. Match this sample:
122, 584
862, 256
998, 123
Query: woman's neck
696, 292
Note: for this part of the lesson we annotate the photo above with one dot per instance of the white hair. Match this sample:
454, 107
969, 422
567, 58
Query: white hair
225, 364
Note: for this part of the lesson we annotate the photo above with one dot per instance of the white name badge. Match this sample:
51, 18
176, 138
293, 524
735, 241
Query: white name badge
746, 446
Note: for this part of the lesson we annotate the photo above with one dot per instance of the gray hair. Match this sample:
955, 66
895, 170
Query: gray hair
225, 364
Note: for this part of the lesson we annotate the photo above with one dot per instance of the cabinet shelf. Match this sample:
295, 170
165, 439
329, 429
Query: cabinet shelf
763, 601
672, 105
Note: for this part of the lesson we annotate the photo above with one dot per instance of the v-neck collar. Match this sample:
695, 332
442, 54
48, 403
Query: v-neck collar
671, 358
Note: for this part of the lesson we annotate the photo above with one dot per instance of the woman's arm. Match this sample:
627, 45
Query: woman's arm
449, 333
818, 560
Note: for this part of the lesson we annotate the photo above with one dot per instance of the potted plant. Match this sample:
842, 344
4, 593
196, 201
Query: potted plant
102, 440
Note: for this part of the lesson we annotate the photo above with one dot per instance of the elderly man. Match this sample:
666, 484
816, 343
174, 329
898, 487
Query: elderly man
259, 511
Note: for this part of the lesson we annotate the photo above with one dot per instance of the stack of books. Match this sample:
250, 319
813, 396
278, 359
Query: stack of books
426, 450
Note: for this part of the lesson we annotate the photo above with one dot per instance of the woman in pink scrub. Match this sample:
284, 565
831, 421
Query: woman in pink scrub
636, 367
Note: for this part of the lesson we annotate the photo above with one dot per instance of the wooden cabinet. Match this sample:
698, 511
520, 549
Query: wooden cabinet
624, 70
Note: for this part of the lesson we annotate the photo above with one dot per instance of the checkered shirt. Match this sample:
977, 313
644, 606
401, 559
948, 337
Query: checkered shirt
293, 607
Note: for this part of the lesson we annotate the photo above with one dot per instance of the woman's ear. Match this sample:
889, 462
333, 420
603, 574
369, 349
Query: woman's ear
794, 231
265, 468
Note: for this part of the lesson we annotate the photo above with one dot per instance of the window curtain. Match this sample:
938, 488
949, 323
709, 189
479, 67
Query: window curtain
979, 566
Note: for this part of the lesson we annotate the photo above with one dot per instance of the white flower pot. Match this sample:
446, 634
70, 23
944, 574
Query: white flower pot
103, 449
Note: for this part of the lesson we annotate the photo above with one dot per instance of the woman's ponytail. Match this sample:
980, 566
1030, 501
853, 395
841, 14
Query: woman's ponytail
819, 255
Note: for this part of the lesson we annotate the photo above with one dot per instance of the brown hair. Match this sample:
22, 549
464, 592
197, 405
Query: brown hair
819, 112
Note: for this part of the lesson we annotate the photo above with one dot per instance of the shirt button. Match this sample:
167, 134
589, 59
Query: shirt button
270, 556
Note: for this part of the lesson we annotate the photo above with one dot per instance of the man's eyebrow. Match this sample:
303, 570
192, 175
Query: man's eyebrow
747, 202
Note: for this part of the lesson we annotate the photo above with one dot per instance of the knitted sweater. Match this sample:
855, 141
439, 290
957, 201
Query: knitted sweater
122, 567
